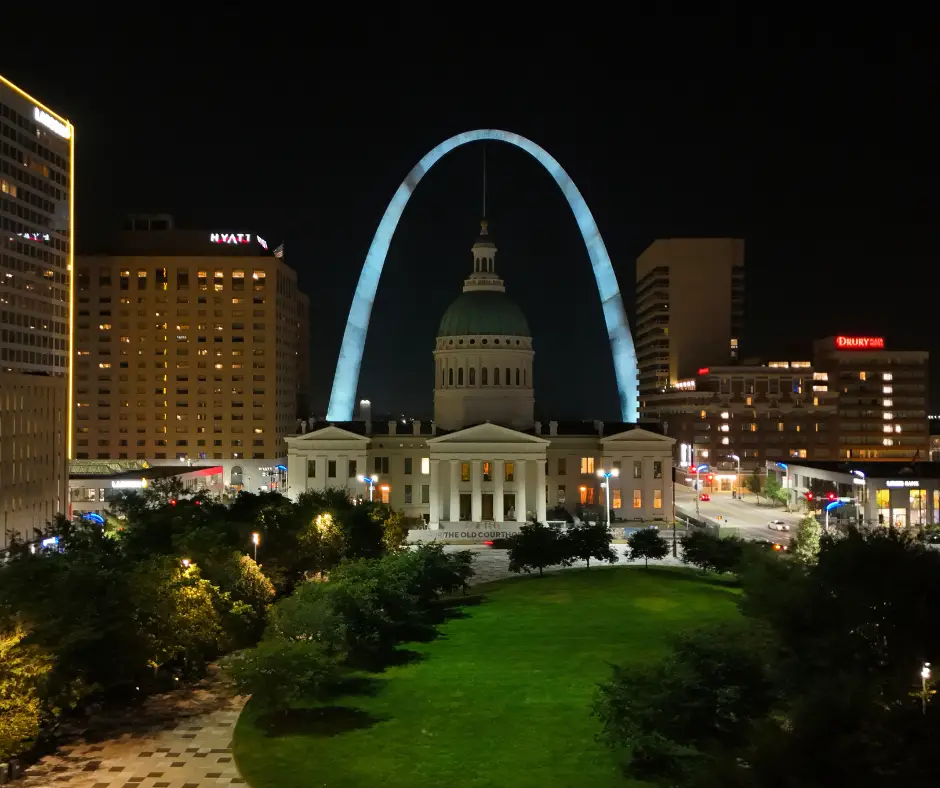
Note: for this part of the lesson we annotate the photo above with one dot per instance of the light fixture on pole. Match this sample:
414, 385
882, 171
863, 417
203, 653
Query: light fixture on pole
606, 476
371, 481
924, 677
829, 508
256, 540
737, 473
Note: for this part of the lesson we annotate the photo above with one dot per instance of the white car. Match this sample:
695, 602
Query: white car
778, 525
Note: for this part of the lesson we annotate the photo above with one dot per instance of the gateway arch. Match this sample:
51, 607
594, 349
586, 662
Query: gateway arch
346, 379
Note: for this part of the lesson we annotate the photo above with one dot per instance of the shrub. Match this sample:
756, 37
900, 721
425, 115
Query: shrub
279, 673
647, 543
710, 552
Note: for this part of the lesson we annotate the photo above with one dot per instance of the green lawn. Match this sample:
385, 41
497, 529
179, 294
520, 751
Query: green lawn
502, 698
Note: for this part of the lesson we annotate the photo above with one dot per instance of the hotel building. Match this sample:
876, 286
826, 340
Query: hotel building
689, 309
188, 348
36, 233
856, 400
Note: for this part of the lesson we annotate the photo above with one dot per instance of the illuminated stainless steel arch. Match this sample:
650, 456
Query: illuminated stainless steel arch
346, 380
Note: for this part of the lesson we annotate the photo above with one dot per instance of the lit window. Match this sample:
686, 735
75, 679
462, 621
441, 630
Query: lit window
725, 441
587, 465
587, 495
637, 499
887, 428
617, 502
724, 414
487, 472
657, 499
897, 427
465, 471
887, 389
887, 376
888, 403
701, 414
862, 376
779, 426
510, 471
748, 400
385, 489
425, 465
724, 428
888, 416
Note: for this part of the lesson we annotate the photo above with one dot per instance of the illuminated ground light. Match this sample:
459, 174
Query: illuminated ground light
346, 379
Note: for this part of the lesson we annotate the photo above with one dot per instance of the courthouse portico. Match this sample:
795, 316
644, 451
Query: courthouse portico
486, 474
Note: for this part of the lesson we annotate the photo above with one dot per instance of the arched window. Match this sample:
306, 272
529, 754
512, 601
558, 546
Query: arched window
450, 377
473, 376
483, 376
460, 376
495, 376
508, 378
517, 376
237, 472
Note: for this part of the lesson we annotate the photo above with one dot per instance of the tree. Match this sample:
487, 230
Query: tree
536, 546
647, 543
395, 529
774, 492
586, 541
23, 672
755, 484
672, 719
278, 673
710, 552
804, 546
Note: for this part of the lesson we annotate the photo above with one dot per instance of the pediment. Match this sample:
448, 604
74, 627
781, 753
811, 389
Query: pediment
327, 434
637, 435
486, 433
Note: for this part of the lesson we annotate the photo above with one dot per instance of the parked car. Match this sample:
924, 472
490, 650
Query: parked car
778, 525
704, 497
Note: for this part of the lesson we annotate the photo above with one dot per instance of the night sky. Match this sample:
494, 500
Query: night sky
819, 150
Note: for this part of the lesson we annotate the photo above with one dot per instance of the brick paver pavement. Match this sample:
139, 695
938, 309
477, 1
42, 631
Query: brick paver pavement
178, 740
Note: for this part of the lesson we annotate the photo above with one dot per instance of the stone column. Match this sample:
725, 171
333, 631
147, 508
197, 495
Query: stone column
540, 490
499, 472
476, 494
434, 517
454, 515
520, 491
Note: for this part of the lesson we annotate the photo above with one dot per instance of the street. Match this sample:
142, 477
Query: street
743, 517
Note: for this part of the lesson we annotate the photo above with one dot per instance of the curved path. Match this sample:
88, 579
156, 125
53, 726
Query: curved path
184, 739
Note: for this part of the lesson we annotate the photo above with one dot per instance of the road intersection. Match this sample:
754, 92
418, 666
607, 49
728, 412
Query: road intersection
741, 516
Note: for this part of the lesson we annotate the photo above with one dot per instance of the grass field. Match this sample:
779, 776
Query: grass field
501, 698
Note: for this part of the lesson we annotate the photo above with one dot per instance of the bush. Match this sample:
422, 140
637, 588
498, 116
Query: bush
586, 541
537, 546
23, 671
279, 673
710, 552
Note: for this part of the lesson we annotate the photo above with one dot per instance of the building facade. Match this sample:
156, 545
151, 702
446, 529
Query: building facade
856, 400
36, 247
492, 467
689, 308
188, 348
898, 493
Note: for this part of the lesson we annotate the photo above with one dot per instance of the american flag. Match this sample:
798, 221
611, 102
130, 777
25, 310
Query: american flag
279, 252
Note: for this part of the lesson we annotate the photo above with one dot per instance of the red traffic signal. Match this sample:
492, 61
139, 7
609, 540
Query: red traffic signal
809, 496
710, 478
831, 496
172, 501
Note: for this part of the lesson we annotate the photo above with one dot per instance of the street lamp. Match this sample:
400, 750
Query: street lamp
924, 676
860, 480
371, 481
829, 508
737, 474
256, 540
605, 475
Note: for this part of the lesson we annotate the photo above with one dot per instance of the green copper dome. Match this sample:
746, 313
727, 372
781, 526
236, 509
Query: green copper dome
483, 312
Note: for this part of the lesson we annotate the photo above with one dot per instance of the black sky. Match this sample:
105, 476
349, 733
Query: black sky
820, 149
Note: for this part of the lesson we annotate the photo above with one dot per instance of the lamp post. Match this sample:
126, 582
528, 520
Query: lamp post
256, 540
924, 675
859, 481
371, 481
829, 508
605, 475
737, 475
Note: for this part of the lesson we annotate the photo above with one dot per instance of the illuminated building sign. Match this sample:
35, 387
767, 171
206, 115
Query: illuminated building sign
128, 484
703, 371
860, 343
35, 236
230, 238
45, 119
262, 243
902, 483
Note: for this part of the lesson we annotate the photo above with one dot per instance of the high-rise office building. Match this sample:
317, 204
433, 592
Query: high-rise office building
36, 232
188, 348
689, 308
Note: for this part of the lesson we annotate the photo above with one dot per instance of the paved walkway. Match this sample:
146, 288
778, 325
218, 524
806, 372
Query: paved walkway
184, 739
178, 740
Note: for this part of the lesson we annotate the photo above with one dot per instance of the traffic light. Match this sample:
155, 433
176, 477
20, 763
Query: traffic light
831, 496
710, 478
809, 496
172, 501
